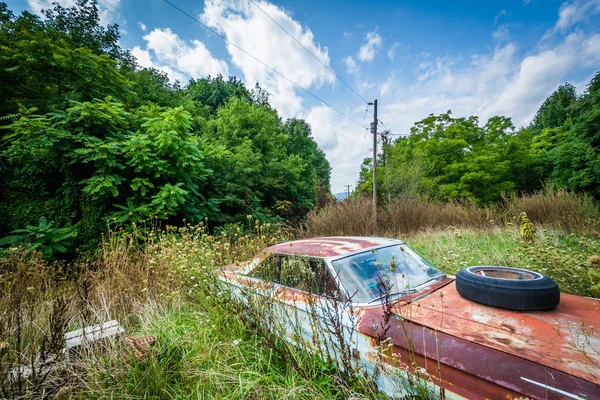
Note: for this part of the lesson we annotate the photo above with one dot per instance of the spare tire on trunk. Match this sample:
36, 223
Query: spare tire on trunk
509, 288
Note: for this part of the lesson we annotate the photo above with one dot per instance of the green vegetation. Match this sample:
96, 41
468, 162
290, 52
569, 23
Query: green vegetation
208, 344
448, 158
44, 237
89, 137
571, 260
121, 193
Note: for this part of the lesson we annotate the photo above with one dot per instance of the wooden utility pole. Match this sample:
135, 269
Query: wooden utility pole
348, 190
374, 132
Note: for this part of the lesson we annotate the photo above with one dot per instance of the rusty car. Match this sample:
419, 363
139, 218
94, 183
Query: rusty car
542, 350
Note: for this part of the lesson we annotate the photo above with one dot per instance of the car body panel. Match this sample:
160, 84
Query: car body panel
546, 337
329, 247
470, 350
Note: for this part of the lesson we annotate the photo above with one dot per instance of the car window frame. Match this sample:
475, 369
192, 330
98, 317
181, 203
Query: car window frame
341, 293
365, 250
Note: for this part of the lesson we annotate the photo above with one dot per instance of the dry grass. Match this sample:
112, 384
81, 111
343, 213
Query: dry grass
557, 209
146, 286
553, 208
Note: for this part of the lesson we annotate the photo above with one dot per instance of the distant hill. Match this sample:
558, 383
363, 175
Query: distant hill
341, 196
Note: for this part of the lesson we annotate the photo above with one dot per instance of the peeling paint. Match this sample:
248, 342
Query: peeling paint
469, 350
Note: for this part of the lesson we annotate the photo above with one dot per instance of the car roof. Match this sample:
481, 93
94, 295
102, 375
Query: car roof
330, 247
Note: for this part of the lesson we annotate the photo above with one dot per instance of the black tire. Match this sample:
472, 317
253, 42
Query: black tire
520, 289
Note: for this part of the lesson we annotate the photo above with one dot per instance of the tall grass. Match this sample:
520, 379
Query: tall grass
573, 261
165, 286
551, 208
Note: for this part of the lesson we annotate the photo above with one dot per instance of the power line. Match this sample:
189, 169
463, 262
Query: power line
256, 59
309, 52
390, 131
364, 116
379, 120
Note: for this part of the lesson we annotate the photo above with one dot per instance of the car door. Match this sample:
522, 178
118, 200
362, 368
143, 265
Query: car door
317, 313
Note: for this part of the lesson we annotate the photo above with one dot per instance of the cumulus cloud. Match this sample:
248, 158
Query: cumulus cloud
501, 83
142, 26
368, 50
246, 26
345, 144
180, 59
108, 10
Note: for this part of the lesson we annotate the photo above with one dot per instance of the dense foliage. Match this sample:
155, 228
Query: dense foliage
449, 158
89, 137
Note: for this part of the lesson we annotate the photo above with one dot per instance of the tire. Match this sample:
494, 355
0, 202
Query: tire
508, 288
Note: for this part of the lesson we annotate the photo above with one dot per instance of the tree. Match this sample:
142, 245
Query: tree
448, 158
574, 152
556, 109
88, 136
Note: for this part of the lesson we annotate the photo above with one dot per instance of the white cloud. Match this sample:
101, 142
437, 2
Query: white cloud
387, 85
501, 83
392, 50
345, 144
500, 14
108, 10
501, 34
591, 50
574, 12
347, 35
246, 26
537, 76
351, 65
367, 50
142, 26
180, 59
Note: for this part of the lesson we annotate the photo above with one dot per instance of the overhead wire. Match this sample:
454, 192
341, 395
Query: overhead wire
390, 131
309, 52
261, 62
362, 143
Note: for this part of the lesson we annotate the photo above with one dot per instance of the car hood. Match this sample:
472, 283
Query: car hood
562, 339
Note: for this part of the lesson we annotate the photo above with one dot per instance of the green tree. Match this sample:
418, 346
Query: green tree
556, 109
448, 158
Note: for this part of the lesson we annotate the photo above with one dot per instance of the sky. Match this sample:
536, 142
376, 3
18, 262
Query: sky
481, 58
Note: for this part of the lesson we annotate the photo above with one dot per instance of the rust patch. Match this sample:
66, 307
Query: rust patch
140, 344
328, 246
508, 328
530, 335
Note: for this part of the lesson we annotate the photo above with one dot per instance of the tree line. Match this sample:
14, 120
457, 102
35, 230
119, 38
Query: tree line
449, 158
88, 138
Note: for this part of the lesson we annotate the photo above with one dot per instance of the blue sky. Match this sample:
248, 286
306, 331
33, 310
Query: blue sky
480, 58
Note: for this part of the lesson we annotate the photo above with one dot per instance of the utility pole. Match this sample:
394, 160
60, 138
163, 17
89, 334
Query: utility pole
374, 132
348, 190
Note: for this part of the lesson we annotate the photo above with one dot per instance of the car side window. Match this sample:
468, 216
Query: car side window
308, 275
268, 270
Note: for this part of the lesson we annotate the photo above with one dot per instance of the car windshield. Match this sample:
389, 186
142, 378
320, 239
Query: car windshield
395, 270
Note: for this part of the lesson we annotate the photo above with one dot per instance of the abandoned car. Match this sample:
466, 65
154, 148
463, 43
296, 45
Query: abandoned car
489, 332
